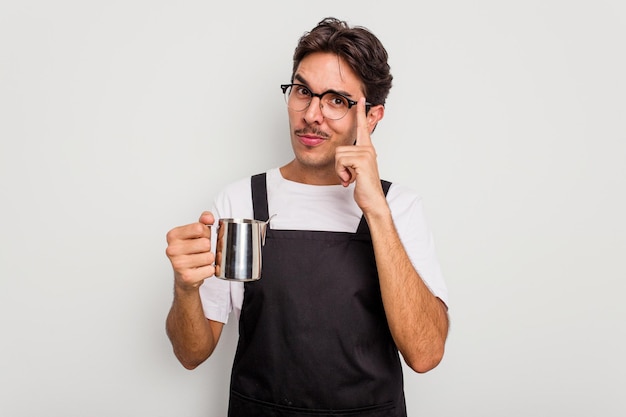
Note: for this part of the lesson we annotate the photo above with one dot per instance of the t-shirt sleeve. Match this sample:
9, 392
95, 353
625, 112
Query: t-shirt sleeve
417, 237
215, 296
220, 297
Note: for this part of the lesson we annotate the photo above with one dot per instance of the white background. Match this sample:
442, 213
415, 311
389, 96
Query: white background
121, 119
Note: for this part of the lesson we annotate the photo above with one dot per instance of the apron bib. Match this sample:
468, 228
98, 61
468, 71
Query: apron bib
313, 337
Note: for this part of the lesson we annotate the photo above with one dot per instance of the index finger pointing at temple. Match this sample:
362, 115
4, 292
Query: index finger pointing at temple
362, 128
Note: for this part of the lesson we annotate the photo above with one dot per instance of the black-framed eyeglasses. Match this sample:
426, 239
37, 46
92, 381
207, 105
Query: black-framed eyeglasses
333, 105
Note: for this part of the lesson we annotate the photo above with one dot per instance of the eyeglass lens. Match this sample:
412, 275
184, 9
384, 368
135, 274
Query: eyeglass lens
333, 106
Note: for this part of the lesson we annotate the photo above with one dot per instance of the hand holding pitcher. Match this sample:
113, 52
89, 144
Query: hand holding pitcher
189, 251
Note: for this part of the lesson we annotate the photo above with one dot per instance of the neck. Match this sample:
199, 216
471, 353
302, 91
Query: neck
294, 172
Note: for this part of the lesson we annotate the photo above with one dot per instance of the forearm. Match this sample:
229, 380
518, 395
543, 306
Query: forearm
417, 319
192, 336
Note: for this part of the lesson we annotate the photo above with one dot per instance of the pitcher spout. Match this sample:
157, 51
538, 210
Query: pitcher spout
264, 229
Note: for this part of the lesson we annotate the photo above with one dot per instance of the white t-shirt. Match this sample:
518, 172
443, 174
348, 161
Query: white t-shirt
329, 208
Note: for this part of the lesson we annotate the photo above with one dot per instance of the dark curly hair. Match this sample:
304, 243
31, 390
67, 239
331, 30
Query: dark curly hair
359, 47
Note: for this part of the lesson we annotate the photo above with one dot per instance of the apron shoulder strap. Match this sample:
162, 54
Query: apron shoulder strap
259, 196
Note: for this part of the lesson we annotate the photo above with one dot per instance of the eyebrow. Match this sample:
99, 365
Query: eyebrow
300, 78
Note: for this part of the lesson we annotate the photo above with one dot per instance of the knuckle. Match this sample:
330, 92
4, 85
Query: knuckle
177, 264
170, 236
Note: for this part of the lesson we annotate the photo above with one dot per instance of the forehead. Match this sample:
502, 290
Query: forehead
323, 71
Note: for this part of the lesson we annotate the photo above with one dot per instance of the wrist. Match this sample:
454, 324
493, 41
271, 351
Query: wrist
186, 290
379, 219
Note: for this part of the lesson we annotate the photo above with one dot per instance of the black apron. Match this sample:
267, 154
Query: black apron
313, 337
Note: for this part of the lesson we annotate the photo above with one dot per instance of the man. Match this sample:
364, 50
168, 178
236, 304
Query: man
350, 277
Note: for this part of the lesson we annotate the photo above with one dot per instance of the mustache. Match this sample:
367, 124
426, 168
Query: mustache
312, 131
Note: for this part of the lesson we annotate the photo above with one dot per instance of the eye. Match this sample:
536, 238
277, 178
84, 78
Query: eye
302, 91
337, 101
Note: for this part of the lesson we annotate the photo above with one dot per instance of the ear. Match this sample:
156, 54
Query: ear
375, 115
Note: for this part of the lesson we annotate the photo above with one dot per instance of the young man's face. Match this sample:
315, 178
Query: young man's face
314, 137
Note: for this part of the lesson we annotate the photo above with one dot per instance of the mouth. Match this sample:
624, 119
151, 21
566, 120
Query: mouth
308, 138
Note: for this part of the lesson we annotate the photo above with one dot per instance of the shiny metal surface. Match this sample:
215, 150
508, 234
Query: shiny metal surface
238, 254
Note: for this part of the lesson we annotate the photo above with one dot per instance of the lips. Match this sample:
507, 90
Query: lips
307, 140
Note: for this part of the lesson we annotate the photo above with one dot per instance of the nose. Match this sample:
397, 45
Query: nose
313, 113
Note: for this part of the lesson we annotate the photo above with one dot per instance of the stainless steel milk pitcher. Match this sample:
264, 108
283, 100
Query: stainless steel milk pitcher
238, 255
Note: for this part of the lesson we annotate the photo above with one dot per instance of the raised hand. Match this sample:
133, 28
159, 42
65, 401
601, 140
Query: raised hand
358, 163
